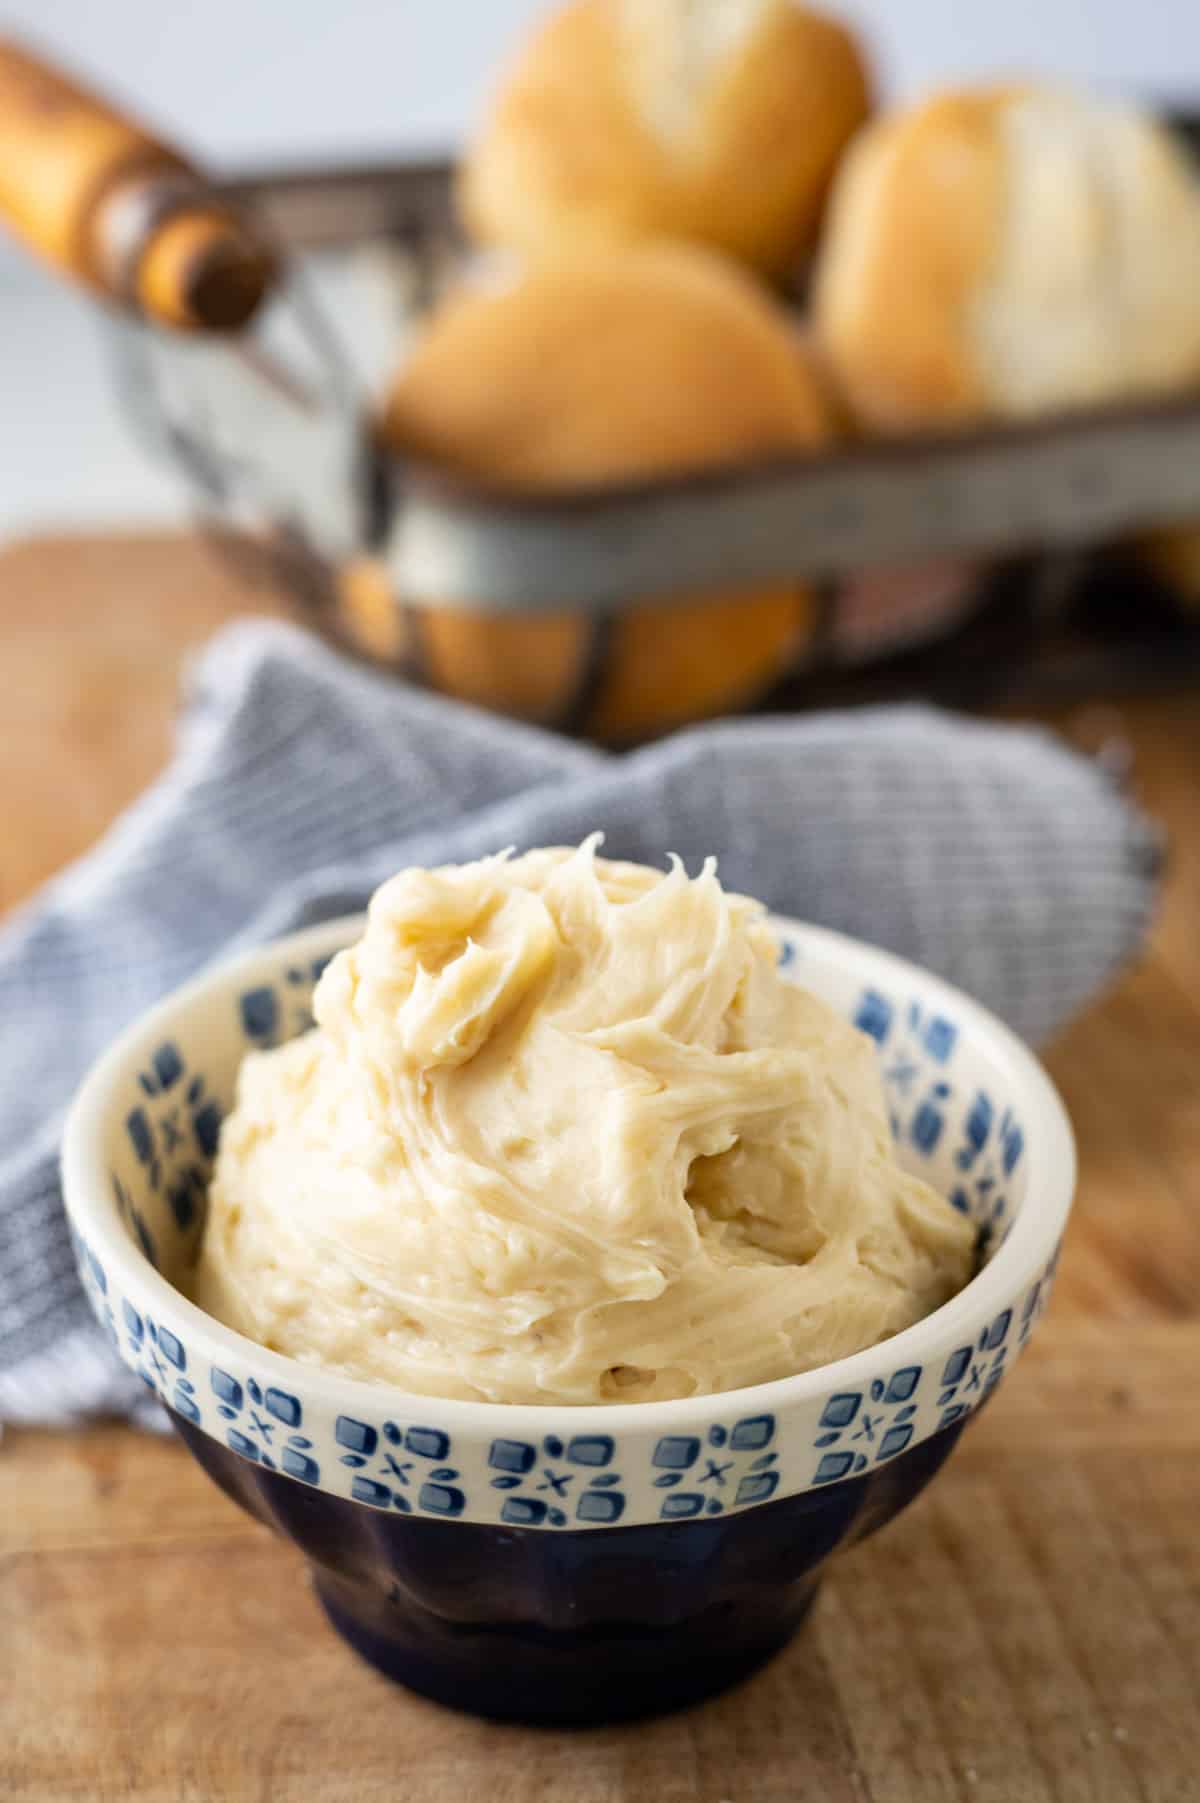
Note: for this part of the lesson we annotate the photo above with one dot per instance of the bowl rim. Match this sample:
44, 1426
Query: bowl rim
1037, 1228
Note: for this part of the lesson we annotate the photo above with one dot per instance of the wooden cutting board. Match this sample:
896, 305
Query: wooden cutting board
1029, 1632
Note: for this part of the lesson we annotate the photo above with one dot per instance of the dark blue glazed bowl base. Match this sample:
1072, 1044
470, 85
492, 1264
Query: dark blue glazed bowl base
559, 1680
575, 1626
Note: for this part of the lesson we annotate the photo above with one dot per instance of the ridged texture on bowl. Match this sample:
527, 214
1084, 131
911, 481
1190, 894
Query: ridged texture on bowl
585, 1627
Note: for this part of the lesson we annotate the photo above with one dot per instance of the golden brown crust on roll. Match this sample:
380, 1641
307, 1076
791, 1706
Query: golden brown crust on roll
593, 369
600, 367
719, 121
513, 663
1007, 253
668, 666
913, 222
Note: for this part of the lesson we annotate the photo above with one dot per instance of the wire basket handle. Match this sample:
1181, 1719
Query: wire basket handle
110, 205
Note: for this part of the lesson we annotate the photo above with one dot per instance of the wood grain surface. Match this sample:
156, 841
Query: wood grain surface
1029, 1632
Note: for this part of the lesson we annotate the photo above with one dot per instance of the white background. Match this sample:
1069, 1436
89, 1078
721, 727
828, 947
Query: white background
260, 82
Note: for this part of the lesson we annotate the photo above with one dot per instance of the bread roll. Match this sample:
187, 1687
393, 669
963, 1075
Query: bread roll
713, 120
597, 368
1006, 253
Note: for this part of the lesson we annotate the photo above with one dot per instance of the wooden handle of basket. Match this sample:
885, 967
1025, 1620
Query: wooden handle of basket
105, 202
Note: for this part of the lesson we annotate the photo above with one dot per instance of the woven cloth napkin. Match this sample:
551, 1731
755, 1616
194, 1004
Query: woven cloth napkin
990, 853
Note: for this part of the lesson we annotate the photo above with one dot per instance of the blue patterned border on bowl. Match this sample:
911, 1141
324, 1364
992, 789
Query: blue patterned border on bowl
544, 1468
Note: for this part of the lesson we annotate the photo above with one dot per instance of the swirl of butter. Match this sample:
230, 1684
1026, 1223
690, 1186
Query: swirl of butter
563, 1133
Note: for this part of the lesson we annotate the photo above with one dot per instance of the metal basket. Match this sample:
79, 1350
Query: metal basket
967, 569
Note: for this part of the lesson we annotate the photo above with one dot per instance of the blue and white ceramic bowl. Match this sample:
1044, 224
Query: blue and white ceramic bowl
568, 1564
